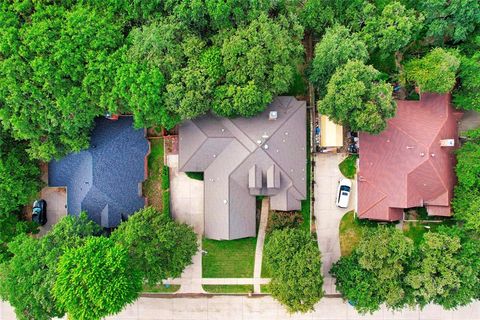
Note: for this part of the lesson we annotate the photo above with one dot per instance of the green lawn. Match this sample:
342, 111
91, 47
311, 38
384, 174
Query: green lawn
264, 288
152, 187
161, 288
348, 167
416, 230
350, 233
229, 258
227, 288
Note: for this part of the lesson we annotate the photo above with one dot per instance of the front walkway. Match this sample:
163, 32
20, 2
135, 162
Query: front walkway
257, 271
327, 214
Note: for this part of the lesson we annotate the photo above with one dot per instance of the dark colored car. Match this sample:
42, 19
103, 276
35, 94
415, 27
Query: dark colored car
39, 212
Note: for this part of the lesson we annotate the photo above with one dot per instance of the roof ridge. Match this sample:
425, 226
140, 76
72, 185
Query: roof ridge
273, 134
203, 142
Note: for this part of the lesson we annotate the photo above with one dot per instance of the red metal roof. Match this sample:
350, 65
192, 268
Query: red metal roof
405, 166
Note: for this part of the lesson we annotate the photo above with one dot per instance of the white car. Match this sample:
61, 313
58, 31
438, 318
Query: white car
343, 193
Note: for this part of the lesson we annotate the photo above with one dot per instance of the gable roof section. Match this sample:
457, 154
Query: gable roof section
406, 163
104, 180
249, 153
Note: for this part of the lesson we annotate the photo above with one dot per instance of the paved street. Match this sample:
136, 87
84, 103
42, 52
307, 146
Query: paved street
263, 308
327, 214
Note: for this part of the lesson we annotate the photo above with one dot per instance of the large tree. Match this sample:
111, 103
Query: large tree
466, 201
356, 96
260, 62
435, 72
96, 279
336, 47
449, 19
293, 259
391, 29
445, 269
27, 280
159, 246
53, 72
374, 273
468, 94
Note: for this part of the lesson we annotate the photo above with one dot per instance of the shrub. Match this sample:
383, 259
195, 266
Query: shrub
166, 202
348, 167
195, 175
279, 220
165, 178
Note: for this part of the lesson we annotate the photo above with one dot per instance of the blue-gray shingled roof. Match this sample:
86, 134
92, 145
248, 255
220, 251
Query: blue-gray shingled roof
105, 180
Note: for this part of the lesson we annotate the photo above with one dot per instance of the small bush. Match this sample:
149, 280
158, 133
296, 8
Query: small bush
279, 220
195, 175
348, 167
165, 178
166, 202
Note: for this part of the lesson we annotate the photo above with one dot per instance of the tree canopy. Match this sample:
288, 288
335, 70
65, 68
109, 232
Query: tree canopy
293, 259
356, 96
27, 280
435, 72
467, 96
159, 246
336, 47
374, 273
96, 279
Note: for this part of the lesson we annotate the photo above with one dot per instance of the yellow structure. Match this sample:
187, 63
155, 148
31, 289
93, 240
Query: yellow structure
331, 134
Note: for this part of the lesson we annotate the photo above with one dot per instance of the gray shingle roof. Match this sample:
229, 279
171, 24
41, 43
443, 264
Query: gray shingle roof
105, 180
239, 157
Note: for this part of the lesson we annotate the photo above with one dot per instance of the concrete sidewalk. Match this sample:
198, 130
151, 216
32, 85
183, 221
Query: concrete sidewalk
264, 308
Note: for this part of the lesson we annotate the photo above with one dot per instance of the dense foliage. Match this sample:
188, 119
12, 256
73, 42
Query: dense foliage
387, 268
435, 72
337, 46
96, 279
159, 246
466, 202
27, 280
64, 63
358, 97
293, 260
374, 273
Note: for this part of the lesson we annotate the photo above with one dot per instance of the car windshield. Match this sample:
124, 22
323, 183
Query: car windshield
345, 188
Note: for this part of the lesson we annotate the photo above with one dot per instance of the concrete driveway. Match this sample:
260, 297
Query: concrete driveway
56, 198
327, 214
186, 205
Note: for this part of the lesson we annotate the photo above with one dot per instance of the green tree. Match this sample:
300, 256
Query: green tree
435, 72
159, 246
357, 97
466, 201
27, 279
293, 259
336, 47
449, 19
316, 15
391, 29
445, 271
467, 96
11, 227
260, 61
374, 273
19, 176
52, 72
96, 279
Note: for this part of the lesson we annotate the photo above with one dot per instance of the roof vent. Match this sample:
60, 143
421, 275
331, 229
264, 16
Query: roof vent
265, 146
433, 154
447, 143
422, 154
259, 141
273, 115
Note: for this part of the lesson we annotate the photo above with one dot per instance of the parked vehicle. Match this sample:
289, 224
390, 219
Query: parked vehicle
39, 212
343, 193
